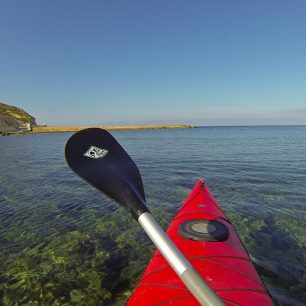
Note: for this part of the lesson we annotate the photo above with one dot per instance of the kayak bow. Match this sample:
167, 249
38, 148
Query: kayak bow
204, 234
220, 270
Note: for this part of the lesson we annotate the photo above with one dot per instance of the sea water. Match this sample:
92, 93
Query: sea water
63, 243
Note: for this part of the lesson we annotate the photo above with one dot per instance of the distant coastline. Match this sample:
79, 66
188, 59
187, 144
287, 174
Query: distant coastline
63, 129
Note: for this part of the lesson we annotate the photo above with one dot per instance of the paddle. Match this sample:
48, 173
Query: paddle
99, 159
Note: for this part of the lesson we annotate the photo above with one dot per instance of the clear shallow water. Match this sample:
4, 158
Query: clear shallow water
62, 243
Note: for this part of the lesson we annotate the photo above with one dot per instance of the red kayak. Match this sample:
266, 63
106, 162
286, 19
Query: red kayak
208, 240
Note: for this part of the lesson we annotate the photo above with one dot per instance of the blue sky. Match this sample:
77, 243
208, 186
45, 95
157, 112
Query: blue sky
204, 62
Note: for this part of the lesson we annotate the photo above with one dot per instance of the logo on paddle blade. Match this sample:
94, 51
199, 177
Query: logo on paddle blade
95, 152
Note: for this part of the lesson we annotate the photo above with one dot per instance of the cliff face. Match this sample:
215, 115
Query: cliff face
13, 119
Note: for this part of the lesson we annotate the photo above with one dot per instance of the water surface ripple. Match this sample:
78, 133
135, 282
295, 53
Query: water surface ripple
62, 243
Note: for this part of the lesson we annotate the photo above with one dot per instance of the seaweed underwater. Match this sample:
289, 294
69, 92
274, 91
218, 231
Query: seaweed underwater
59, 247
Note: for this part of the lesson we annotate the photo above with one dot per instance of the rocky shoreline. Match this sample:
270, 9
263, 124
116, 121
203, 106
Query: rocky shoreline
15, 121
63, 129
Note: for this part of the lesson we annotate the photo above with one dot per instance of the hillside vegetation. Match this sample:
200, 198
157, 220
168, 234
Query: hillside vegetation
13, 118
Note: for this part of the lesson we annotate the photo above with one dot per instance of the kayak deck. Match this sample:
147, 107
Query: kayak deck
225, 265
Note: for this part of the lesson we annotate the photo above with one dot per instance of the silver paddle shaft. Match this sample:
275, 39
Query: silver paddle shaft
190, 277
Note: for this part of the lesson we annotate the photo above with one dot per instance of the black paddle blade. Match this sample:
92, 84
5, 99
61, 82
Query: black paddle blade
99, 159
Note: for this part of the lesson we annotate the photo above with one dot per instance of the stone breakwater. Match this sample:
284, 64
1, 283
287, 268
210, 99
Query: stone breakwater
62, 129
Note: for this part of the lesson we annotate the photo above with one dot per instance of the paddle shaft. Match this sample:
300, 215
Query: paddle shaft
190, 277
98, 158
